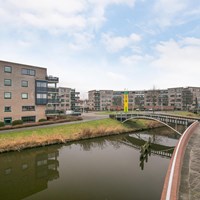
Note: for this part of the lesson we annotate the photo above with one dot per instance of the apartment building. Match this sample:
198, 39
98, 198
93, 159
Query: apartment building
23, 92
69, 99
117, 100
28, 94
191, 98
94, 100
100, 99
179, 98
139, 99
75, 100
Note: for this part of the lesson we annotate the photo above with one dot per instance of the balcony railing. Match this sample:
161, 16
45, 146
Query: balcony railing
56, 101
53, 112
52, 79
53, 90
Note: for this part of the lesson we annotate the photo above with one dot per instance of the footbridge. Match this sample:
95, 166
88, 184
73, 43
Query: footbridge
165, 119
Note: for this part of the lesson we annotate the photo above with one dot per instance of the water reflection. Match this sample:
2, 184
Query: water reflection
25, 173
144, 157
145, 151
103, 168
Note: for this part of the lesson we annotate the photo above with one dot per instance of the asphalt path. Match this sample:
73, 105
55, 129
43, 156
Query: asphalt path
86, 118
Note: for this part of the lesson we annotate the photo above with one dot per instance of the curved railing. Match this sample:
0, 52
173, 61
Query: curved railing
151, 118
172, 179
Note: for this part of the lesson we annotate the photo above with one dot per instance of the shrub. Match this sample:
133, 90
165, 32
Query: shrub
17, 122
2, 124
42, 120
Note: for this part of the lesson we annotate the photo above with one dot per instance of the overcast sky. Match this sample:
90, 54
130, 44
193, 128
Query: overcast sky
105, 44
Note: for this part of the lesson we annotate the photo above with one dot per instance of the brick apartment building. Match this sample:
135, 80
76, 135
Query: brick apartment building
69, 99
179, 98
28, 94
23, 92
100, 100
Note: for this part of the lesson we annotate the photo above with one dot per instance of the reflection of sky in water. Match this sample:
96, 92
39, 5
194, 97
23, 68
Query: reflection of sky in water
163, 140
102, 168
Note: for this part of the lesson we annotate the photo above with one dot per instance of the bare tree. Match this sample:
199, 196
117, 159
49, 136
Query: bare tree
153, 98
187, 98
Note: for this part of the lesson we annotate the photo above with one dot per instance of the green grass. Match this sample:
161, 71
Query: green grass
105, 112
183, 113
63, 129
18, 140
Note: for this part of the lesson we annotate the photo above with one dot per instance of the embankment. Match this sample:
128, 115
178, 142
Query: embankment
18, 140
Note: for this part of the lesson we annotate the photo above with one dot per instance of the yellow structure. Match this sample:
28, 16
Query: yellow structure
126, 101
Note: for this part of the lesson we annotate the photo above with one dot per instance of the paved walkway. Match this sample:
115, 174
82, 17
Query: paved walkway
190, 174
86, 117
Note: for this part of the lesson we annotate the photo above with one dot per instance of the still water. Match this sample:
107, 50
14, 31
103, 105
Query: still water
107, 168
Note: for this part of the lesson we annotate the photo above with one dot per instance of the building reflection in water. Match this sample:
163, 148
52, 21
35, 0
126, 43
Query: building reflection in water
27, 172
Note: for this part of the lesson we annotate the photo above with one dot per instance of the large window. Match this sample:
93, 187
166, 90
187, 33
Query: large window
24, 83
7, 109
7, 95
41, 92
24, 95
41, 96
29, 72
28, 119
28, 108
41, 99
41, 84
8, 69
7, 82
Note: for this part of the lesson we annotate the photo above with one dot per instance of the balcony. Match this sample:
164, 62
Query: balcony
53, 112
53, 90
52, 79
54, 101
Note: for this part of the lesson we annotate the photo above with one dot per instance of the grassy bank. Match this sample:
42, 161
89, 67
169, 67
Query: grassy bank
184, 113
69, 132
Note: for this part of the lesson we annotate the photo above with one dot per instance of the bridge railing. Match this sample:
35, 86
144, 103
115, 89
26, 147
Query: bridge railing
172, 179
152, 115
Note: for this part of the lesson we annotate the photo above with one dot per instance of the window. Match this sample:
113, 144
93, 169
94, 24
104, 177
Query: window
8, 69
24, 83
7, 82
28, 108
28, 119
24, 95
41, 99
41, 84
8, 120
29, 72
41, 96
7, 95
7, 109
41, 92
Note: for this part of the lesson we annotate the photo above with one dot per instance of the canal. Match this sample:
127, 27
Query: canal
107, 168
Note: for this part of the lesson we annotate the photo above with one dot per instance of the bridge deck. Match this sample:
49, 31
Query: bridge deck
156, 115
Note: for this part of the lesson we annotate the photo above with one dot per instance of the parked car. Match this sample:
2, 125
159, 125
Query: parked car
71, 112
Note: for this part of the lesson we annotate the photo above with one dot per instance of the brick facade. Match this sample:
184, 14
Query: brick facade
11, 83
